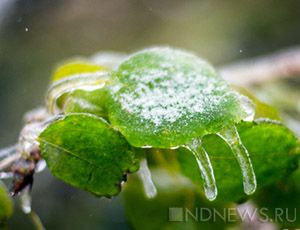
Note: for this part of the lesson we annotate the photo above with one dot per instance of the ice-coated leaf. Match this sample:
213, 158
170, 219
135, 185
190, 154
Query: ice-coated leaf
162, 97
71, 77
272, 150
72, 67
6, 206
84, 151
262, 110
81, 101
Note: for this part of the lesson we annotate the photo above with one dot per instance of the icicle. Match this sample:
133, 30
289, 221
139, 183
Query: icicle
25, 199
207, 173
41, 165
231, 137
88, 82
145, 175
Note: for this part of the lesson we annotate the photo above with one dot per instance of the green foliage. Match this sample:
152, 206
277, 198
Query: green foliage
75, 67
81, 101
84, 151
174, 191
6, 206
282, 195
272, 149
162, 97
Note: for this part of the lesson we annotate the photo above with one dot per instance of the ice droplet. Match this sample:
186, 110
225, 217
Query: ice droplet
25, 200
207, 173
232, 138
145, 175
248, 107
41, 165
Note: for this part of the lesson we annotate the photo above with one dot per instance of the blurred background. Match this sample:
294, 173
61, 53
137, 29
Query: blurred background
36, 34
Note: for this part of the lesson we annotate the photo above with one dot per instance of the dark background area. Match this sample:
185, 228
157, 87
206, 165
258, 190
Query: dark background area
36, 34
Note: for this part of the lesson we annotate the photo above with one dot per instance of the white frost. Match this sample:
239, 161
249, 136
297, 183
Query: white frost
167, 95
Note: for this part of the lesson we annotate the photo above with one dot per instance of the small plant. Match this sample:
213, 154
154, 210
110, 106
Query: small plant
160, 108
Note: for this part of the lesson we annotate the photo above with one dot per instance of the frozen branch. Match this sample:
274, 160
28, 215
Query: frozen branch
281, 64
8, 161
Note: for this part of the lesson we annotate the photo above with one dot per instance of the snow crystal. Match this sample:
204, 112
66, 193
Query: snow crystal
167, 94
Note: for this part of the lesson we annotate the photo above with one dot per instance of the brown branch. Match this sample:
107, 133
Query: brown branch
281, 64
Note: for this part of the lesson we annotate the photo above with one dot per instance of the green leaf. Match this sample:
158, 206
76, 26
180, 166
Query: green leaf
162, 97
6, 205
272, 149
174, 191
81, 101
282, 197
72, 67
84, 151
73, 84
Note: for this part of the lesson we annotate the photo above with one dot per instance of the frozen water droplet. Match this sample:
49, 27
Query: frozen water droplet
145, 175
232, 138
41, 165
207, 173
248, 107
25, 200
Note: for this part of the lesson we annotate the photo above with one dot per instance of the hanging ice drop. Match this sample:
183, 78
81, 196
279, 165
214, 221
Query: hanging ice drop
207, 173
25, 200
232, 138
145, 176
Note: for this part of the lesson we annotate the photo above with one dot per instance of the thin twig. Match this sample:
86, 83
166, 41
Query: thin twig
36, 221
8, 161
8, 151
281, 64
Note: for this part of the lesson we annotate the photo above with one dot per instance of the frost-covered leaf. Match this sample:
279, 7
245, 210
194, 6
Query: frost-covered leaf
84, 151
163, 98
272, 148
6, 206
